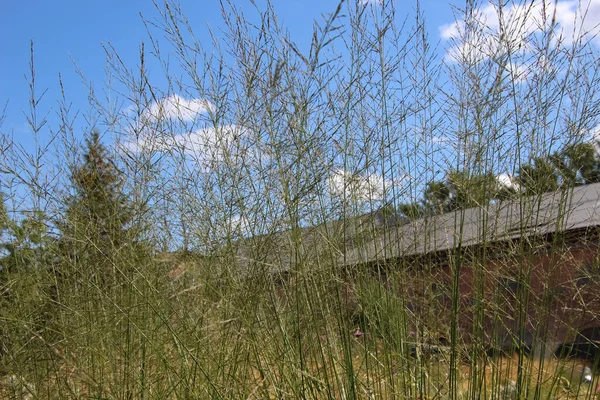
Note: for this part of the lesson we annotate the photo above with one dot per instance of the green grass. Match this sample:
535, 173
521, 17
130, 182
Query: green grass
165, 304
197, 337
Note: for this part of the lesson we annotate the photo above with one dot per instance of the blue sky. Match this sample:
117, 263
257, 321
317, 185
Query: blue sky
67, 31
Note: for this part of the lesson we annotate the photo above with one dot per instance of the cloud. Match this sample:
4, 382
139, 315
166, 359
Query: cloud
518, 71
210, 146
492, 33
359, 188
507, 181
373, 2
175, 108
240, 225
209, 140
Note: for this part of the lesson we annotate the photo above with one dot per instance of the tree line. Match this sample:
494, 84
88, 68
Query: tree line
573, 165
97, 219
90, 252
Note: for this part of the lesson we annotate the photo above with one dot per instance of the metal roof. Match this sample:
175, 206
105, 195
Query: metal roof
563, 210
368, 239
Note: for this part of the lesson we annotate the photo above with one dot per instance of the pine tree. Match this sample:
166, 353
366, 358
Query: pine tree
97, 222
436, 198
460, 190
470, 190
539, 177
578, 164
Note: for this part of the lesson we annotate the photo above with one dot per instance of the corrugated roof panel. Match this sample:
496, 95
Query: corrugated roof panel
536, 215
362, 239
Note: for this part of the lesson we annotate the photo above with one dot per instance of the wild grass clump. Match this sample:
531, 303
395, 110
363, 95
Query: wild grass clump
273, 221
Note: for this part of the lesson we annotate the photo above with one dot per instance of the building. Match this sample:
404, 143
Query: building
524, 272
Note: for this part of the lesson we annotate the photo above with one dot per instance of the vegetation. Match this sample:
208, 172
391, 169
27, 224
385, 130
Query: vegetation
198, 243
574, 165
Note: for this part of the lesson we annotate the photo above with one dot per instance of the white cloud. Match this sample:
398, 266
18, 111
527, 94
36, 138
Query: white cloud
442, 140
208, 146
452, 30
513, 29
210, 139
519, 71
239, 225
359, 188
374, 2
211, 148
507, 181
176, 108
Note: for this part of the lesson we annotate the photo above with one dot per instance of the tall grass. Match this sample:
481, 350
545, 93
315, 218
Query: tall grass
259, 268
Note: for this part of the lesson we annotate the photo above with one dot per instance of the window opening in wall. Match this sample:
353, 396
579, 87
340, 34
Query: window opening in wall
510, 284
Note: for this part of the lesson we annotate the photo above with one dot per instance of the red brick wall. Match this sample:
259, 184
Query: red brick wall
545, 291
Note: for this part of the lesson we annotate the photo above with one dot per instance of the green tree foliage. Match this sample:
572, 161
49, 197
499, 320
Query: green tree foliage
22, 243
468, 190
459, 190
26, 243
577, 164
99, 210
436, 198
538, 177
25, 298
412, 211
97, 224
